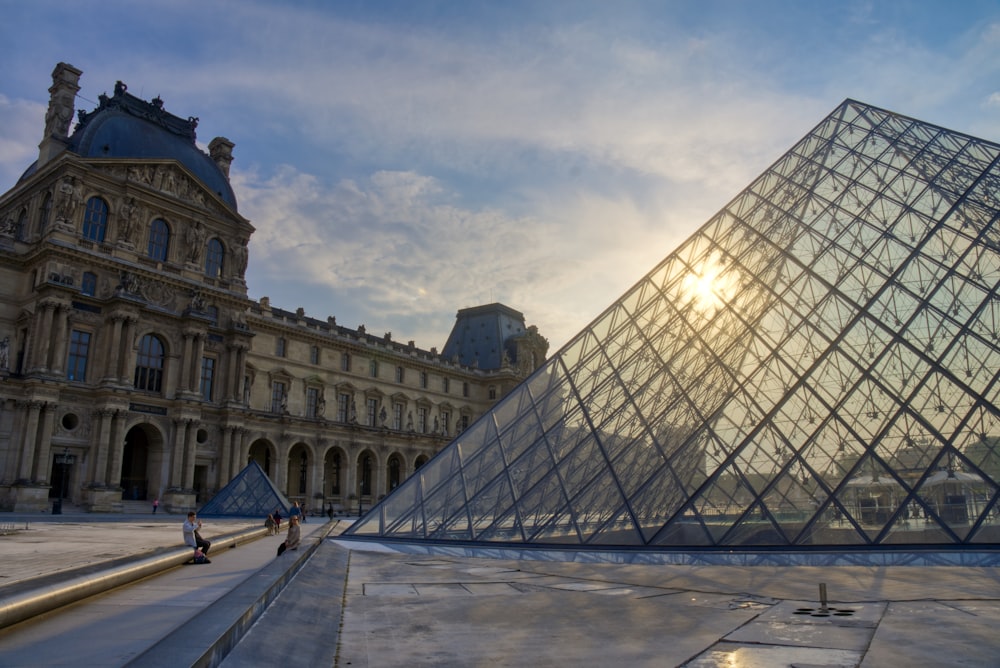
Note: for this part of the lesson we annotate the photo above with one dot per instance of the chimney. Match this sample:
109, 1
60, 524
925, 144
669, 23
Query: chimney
65, 84
221, 150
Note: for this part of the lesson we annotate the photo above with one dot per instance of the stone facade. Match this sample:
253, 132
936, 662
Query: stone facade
133, 365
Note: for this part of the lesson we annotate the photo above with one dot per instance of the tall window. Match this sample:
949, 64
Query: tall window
279, 347
493, 392
213, 258
394, 473
423, 379
312, 401
372, 412
446, 384
397, 416
345, 361
278, 394
464, 423
465, 389
335, 473
343, 406
400, 374
22, 226
445, 420
159, 239
88, 284
207, 377
303, 472
314, 355
373, 368
79, 351
149, 364
421, 420
95, 219
366, 475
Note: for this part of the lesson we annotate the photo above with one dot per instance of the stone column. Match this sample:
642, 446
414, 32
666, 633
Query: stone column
239, 451
177, 453
113, 349
195, 365
380, 479
29, 438
42, 464
185, 384
61, 339
225, 459
281, 467
126, 362
117, 446
43, 335
99, 448
189, 454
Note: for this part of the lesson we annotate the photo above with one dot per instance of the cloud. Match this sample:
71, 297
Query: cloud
20, 133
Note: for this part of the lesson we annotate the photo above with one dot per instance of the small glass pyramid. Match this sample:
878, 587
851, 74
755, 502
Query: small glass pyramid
817, 366
250, 494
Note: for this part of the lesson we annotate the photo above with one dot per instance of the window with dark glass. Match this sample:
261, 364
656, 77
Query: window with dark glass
372, 412
207, 377
312, 401
366, 475
465, 389
394, 473
343, 406
397, 415
373, 368
159, 240
314, 355
345, 361
149, 364
493, 392
213, 258
303, 472
95, 219
79, 351
445, 384
421, 420
45, 213
423, 379
278, 394
88, 283
400, 374
335, 474
279, 347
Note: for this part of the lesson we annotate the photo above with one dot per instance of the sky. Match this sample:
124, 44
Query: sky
404, 160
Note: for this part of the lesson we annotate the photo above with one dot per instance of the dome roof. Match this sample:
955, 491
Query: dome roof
125, 126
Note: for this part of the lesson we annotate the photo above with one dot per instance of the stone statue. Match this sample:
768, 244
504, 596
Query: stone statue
382, 416
409, 421
127, 219
321, 403
354, 412
69, 197
241, 255
195, 239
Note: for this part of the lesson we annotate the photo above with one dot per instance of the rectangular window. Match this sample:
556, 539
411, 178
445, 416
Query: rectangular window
343, 406
372, 412
314, 355
312, 401
421, 420
465, 422
397, 416
279, 347
79, 351
493, 392
446, 385
423, 379
400, 374
207, 377
278, 397
88, 284
445, 422
373, 368
345, 362
465, 389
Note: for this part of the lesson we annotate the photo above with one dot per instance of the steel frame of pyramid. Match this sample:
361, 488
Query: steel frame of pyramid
815, 369
249, 494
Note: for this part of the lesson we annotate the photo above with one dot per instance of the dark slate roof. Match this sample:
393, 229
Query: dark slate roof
124, 126
481, 333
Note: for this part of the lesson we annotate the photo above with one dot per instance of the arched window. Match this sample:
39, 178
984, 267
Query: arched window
366, 475
95, 219
213, 258
22, 226
159, 240
394, 473
149, 364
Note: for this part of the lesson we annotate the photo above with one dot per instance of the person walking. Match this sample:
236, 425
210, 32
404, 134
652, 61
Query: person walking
191, 536
156, 504
293, 537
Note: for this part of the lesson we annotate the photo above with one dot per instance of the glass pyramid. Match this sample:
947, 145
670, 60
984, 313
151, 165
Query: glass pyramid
816, 367
250, 494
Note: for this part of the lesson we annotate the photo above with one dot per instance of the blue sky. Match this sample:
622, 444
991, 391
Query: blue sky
403, 160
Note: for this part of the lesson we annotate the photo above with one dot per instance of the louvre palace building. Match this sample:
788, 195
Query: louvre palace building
134, 366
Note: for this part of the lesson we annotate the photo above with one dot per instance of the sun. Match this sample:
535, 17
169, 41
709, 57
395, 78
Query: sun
707, 287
